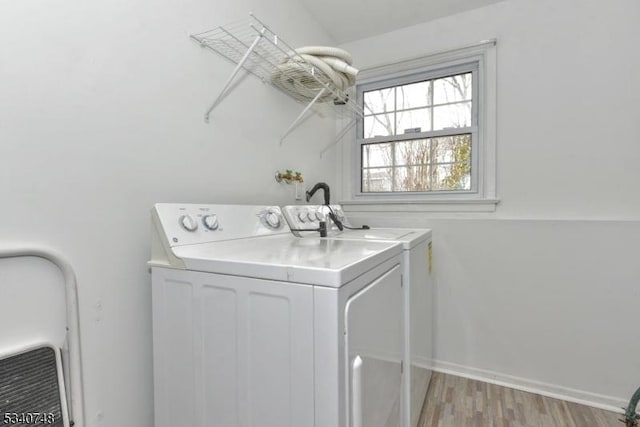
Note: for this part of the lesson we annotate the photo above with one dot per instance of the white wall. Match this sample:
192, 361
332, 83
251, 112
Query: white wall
101, 115
542, 293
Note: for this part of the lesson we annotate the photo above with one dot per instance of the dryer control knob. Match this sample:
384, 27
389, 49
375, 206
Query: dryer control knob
210, 221
272, 219
320, 215
311, 216
188, 222
302, 217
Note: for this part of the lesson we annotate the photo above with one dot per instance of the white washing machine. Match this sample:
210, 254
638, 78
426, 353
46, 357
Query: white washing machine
253, 326
418, 297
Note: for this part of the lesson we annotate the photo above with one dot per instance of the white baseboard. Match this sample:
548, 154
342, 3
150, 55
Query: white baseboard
608, 403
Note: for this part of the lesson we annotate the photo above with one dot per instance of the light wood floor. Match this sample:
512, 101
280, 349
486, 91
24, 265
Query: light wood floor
460, 402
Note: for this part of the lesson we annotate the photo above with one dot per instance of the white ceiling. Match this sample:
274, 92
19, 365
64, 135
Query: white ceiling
348, 20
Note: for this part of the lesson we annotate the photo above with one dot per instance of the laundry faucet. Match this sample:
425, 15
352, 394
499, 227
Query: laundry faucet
325, 188
318, 186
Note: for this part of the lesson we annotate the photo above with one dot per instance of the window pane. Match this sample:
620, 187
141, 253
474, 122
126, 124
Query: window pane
432, 164
452, 89
451, 149
412, 152
433, 177
414, 95
378, 125
378, 101
376, 180
455, 176
410, 120
411, 178
376, 155
448, 149
452, 116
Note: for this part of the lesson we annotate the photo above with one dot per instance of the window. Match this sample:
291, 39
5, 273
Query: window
417, 136
426, 130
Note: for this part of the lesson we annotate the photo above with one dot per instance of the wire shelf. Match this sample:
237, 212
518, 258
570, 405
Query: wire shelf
254, 47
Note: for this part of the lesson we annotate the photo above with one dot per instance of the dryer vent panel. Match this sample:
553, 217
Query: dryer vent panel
29, 389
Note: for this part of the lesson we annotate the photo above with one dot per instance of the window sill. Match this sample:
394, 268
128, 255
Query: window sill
480, 205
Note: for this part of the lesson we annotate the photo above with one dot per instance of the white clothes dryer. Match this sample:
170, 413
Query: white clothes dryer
418, 287
255, 327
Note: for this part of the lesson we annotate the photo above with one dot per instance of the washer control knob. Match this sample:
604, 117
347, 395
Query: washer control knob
188, 222
311, 216
272, 219
319, 215
302, 217
210, 222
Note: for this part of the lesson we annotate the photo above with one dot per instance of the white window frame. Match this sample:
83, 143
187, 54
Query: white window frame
479, 58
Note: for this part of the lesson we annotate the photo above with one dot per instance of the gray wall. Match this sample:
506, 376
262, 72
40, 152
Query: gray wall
542, 293
101, 115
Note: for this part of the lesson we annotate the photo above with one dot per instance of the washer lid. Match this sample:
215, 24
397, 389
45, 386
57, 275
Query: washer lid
315, 261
